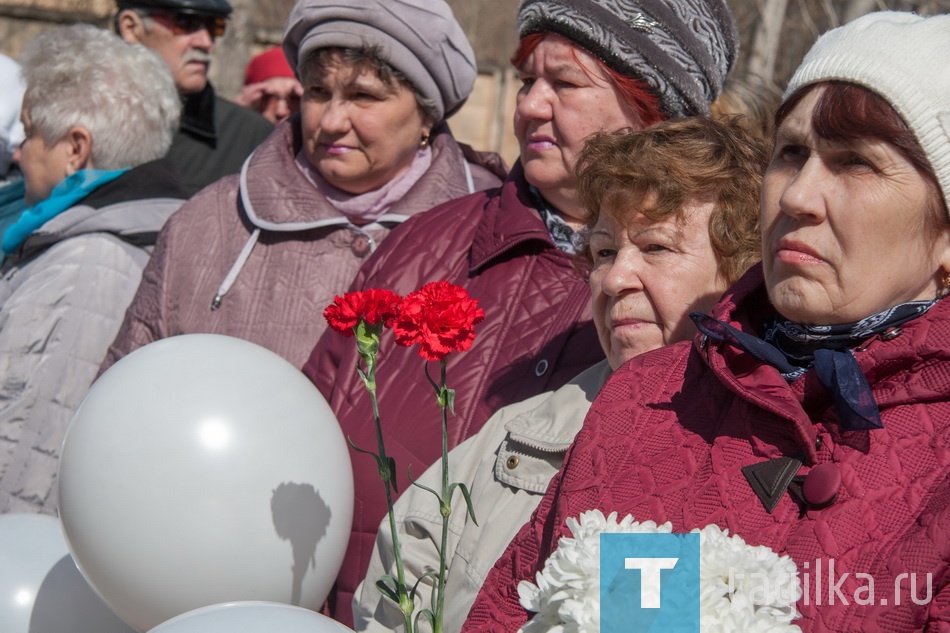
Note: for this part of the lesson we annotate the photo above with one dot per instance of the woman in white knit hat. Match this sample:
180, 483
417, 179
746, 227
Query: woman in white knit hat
812, 413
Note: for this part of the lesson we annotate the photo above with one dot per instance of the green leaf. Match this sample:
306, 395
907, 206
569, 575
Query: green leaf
468, 501
392, 474
387, 590
415, 588
358, 449
428, 615
450, 399
386, 469
434, 493
368, 382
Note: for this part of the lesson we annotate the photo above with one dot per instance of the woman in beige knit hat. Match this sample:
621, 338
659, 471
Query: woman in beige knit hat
259, 254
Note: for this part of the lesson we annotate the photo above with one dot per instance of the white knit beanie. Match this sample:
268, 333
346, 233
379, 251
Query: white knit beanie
904, 58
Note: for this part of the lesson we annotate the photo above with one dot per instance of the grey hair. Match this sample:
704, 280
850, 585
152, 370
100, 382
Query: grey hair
123, 94
367, 57
147, 22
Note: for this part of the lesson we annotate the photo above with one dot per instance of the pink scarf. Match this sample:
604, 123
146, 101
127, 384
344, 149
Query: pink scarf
367, 207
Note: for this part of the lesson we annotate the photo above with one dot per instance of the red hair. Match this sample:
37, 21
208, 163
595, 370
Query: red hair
634, 92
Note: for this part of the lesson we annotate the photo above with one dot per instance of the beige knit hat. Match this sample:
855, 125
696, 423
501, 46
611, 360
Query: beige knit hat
904, 58
421, 38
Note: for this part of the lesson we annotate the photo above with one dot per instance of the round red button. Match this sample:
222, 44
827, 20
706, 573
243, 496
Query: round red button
821, 485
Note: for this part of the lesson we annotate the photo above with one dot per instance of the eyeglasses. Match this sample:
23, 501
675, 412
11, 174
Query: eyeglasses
188, 23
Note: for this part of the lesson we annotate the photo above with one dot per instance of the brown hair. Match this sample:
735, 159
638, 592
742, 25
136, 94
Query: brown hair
754, 100
367, 58
678, 161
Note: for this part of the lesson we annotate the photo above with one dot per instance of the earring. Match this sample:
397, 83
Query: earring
424, 143
944, 285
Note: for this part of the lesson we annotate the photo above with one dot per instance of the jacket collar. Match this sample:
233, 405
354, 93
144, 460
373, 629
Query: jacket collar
154, 179
131, 210
277, 197
197, 116
274, 194
512, 221
552, 425
909, 367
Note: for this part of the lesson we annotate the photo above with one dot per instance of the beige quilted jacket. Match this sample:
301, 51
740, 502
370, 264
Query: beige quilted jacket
259, 255
507, 466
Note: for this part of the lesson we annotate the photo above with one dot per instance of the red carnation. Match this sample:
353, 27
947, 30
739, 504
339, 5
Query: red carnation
440, 317
372, 306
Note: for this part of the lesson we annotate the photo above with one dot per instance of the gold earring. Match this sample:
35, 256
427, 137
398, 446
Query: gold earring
944, 285
424, 143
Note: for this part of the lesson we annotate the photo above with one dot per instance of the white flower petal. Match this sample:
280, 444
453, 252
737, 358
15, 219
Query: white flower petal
742, 587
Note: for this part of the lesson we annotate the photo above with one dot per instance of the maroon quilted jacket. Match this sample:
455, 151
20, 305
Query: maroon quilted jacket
667, 435
536, 336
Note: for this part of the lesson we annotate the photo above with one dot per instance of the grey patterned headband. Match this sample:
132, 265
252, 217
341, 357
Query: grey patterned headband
682, 49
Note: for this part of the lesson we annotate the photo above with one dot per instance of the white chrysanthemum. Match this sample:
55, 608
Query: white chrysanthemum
567, 594
742, 587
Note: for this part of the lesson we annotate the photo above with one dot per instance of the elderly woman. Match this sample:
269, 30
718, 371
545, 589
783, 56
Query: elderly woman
812, 414
259, 255
98, 116
512, 248
673, 223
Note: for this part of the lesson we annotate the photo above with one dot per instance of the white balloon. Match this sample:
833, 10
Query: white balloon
251, 617
204, 469
41, 590
66, 603
30, 545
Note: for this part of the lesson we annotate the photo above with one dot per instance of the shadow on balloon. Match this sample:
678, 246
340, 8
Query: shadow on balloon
65, 603
302, 517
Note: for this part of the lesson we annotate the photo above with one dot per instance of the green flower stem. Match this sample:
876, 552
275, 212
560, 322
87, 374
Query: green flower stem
367, 341
406, 604
446, 508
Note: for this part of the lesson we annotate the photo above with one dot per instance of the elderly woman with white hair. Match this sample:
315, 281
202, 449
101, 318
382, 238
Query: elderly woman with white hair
259, 255
98, 117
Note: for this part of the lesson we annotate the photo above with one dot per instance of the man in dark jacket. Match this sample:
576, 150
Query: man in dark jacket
215, 135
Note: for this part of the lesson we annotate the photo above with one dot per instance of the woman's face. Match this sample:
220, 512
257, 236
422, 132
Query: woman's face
359, 132
43, 165
648, 276
844, 226
560, 104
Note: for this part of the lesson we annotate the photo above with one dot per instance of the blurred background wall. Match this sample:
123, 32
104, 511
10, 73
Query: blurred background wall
775, 36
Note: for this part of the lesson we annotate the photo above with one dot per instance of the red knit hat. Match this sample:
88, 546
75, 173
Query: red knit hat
270, 63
